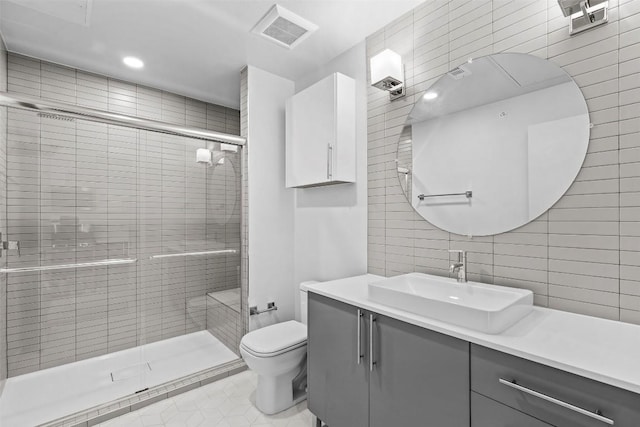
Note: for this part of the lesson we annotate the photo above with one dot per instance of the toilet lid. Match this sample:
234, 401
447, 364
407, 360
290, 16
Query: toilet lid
275, 339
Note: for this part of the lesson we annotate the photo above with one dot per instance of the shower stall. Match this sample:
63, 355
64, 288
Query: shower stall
121, 256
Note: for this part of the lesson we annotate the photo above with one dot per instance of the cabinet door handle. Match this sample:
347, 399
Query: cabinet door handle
360, 355
329, 161
372, 362
595, 415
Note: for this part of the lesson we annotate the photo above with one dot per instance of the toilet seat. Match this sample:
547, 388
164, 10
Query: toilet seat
275, 339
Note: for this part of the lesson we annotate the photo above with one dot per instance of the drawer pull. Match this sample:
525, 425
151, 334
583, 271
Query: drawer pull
595, 415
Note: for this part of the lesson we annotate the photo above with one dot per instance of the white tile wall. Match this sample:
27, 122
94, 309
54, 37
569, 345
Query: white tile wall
583, 255
141, 193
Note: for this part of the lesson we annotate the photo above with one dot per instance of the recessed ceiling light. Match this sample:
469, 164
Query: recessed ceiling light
430, 95
133, 62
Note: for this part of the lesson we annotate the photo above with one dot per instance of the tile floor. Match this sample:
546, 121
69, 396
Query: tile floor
226, 403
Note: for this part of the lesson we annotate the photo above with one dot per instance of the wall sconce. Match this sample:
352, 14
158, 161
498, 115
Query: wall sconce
585, 14
387, 73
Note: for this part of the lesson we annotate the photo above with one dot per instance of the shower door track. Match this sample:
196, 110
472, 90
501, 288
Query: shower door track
91, 114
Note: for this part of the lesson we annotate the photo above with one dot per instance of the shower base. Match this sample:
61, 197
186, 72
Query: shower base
38, 397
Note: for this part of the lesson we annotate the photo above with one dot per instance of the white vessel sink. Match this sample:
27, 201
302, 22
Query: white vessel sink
486, 308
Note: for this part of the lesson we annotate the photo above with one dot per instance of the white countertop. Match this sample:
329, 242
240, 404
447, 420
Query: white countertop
600, 349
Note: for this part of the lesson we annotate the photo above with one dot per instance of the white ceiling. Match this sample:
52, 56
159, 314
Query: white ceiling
192, 47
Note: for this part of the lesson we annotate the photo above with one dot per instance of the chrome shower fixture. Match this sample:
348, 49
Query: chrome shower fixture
209, 156
584, 14
203, 155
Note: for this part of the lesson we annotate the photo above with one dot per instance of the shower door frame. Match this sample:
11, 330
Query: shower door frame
78, 112
59, 109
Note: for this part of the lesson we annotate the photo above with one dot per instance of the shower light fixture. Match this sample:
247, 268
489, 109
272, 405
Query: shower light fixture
387, 73
584, 14
210, 156
430, 95
133, 62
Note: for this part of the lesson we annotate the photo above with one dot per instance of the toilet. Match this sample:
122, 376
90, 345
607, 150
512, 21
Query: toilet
278, 354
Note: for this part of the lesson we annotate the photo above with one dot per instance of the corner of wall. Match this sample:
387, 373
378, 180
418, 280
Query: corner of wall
244, 195
3, 222
270, 204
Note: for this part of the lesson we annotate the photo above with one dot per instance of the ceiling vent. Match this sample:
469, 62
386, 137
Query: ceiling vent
284, 27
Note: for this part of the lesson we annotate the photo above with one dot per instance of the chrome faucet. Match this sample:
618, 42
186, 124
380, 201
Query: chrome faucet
459, 267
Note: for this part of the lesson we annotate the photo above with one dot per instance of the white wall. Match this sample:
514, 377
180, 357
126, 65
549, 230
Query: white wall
330, 232
271, 217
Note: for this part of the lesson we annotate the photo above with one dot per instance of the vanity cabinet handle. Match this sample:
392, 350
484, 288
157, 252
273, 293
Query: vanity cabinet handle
372, 362
595, 415
360, 354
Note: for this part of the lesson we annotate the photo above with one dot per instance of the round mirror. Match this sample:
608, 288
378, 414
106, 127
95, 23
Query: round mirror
493, 144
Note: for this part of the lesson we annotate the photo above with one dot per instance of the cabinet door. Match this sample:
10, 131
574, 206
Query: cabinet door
310, 139
338, 389
420, 377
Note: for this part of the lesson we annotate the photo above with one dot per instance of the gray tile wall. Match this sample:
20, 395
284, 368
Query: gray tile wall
583, 255
79, 191
224, 319
244, 230
3, 216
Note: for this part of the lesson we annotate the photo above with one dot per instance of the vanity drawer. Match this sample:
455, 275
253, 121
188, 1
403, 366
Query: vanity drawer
551, 395
489, 413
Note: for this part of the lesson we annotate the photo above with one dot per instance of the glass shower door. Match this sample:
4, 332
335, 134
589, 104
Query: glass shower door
71, 265
188, 249
122, 265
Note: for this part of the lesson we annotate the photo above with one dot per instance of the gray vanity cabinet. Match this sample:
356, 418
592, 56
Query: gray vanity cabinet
407, 376
338, 387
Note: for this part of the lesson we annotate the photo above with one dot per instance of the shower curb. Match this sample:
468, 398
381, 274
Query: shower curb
101, 413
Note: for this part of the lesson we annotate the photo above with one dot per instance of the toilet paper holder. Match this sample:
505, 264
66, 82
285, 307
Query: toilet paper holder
271, 306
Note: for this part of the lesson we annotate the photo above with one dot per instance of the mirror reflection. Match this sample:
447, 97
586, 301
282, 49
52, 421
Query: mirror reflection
493, 144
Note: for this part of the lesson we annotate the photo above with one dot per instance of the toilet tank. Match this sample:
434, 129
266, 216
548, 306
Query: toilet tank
303, 300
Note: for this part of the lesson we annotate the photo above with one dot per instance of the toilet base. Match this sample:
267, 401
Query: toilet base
275, 394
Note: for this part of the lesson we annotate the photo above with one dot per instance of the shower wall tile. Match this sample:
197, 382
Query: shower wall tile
629, 129
224, 321
582, 255
244, 194
78, 191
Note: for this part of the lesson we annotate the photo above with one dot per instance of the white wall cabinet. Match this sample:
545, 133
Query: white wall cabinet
321, 133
